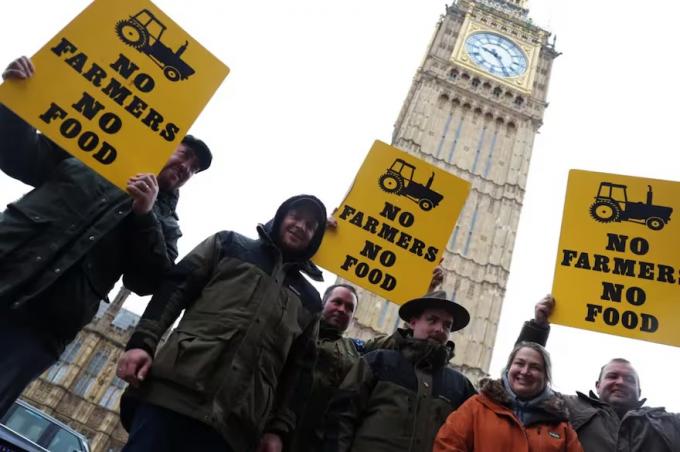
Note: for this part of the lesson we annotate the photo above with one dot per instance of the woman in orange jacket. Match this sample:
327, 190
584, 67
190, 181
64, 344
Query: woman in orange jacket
519, 412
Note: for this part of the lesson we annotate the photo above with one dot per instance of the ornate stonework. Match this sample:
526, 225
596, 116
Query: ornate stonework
480, 126
82, 389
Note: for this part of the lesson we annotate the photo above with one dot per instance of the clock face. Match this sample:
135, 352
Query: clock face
496, 54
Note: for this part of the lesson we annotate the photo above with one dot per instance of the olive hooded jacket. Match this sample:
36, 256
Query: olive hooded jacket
241, 357
337, 355
395, 400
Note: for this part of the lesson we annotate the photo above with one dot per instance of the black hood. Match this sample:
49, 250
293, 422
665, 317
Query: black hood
272, 227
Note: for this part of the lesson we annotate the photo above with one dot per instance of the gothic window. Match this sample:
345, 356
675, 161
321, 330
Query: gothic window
453, 74
475, 82
112, 395
477, 114
91, 372
497, 91
519, 100
59, 370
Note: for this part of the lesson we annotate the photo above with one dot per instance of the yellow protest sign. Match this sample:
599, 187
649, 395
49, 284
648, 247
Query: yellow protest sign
118, 87
393, 224
618, 265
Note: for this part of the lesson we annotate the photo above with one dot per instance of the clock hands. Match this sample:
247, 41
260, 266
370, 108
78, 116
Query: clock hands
495, 54
498, 58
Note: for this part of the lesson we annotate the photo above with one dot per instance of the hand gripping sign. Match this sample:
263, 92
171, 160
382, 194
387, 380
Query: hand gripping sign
618, 265
118, 88
393, 224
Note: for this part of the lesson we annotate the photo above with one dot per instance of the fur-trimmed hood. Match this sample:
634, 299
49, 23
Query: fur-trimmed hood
548, 409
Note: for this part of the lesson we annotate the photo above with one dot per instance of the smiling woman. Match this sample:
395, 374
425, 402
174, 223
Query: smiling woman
528, 371
538, 416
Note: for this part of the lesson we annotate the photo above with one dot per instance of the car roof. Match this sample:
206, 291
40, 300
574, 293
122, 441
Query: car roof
51, 419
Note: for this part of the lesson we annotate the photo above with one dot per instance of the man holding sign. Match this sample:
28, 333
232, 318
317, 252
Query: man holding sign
66, 242
615, 419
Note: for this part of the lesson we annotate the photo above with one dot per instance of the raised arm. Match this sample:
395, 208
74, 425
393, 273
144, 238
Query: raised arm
25, 154
152, 249
538, 329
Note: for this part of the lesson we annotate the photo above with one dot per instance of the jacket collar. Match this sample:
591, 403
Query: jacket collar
168, 199
328, 331
591, 404
402, 334
305, 266
595, 400
549, 408
424, 353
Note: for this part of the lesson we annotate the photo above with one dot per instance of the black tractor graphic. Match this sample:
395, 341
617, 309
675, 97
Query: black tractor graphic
398, 179
144, 31
612, 204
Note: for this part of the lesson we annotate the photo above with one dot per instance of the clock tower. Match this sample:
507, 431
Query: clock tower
474, 108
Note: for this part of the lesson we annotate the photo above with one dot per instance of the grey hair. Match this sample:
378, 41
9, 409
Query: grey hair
547, 365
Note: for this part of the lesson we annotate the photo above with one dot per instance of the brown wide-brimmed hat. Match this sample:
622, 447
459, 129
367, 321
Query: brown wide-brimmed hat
436, 300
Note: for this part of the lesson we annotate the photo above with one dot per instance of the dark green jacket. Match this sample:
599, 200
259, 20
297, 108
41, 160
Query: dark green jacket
600, 429
241, 357
644, 429
395, 400
65, 243
387, 342
337, 355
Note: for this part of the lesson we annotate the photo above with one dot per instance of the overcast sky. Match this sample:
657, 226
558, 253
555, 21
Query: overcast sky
313, 83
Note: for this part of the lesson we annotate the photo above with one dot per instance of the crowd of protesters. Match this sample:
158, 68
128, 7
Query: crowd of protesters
259, 360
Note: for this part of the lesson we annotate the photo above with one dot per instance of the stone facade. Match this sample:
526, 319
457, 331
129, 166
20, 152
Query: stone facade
82, 389
480, 127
